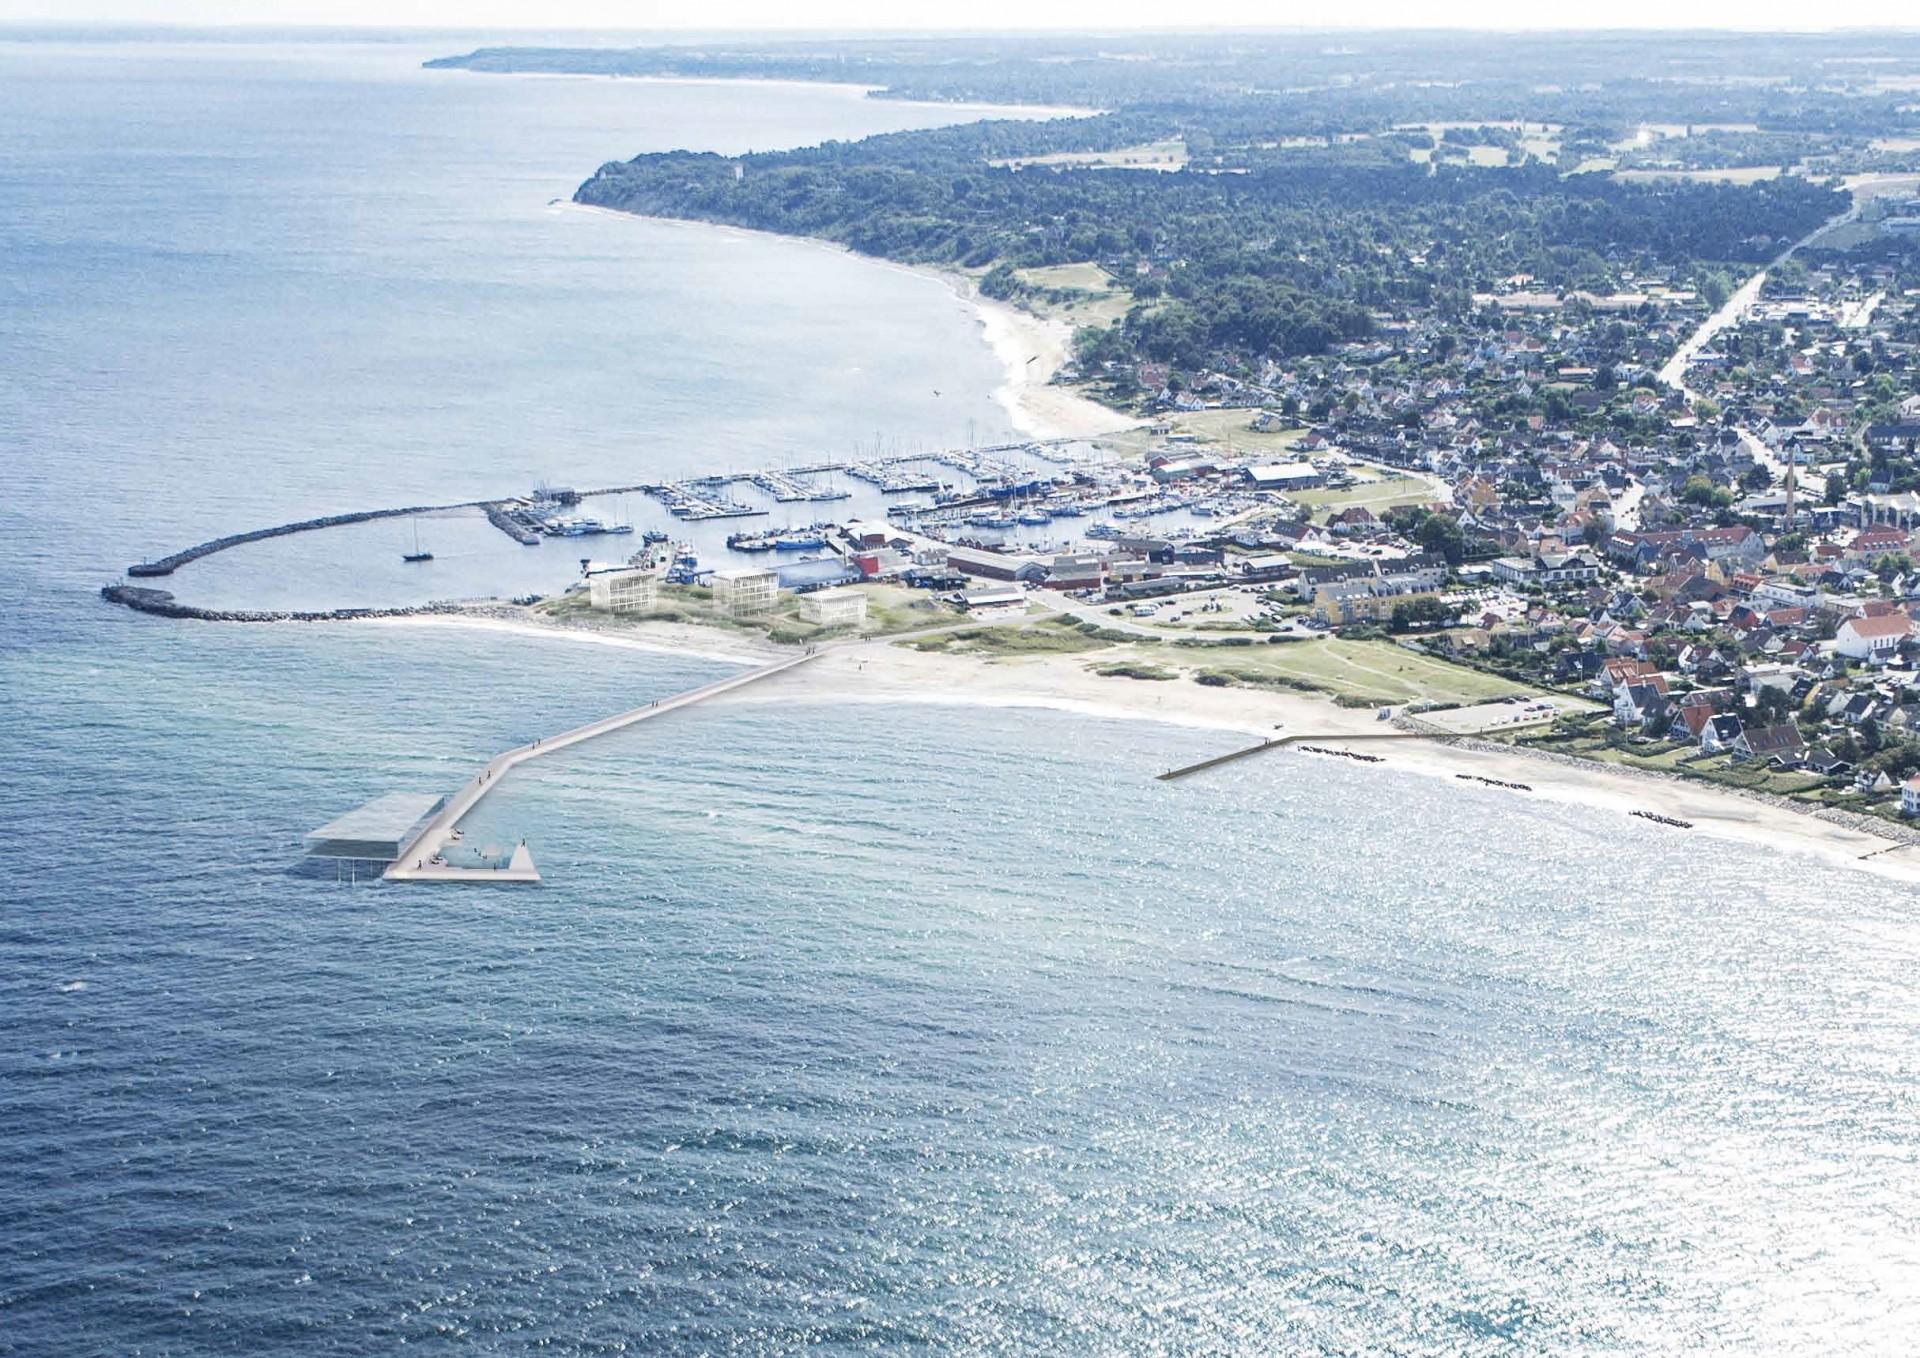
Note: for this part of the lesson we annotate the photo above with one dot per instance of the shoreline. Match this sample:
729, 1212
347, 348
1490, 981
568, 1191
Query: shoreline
1031, 349
869, 672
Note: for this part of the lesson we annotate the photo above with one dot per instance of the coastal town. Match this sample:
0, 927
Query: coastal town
1709, 563
1670, 529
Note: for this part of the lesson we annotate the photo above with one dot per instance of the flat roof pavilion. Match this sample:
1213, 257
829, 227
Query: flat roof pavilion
377, 831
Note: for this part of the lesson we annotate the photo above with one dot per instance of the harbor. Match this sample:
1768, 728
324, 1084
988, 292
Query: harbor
1016, 507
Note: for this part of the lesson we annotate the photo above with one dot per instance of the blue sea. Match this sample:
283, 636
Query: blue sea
833, 1028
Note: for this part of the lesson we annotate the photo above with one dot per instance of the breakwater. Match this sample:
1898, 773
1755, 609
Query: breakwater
167, 565
497, 516
162, 604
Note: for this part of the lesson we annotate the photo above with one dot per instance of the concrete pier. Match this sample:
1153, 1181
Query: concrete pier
415, 863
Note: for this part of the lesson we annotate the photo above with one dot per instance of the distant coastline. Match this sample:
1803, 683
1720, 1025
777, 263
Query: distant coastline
866, 91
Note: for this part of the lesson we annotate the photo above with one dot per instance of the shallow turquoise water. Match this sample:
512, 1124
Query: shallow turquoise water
845, 1027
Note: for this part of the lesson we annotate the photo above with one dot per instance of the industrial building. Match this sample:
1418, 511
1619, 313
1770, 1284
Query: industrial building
626, 590
987, 565
744, 591
994, 602
820, 572
834, 607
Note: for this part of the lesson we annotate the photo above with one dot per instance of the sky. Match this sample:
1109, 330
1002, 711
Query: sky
895, 15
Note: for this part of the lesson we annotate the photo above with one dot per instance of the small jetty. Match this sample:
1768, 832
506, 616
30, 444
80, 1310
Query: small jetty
1281, 742
893, 479
1345, 754
1493, 782
1659, 819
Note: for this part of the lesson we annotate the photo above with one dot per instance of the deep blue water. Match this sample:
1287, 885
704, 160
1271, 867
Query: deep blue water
846, 1028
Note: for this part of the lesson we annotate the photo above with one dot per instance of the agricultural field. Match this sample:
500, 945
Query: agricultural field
1159, 155
1739, 174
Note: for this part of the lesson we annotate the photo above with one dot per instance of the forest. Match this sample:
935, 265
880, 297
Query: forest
1308, 184
1226, 267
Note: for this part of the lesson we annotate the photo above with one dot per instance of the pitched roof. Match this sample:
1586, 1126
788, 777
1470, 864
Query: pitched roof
1889, 625
1769, 739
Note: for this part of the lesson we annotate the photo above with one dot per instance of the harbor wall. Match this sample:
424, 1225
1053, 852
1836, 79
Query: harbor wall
162, 604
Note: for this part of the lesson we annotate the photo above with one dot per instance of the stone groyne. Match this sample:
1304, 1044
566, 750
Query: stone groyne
162, 604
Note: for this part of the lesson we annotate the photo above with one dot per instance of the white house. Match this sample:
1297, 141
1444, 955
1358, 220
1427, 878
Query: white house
1875, 640
1910, 797
1719, 734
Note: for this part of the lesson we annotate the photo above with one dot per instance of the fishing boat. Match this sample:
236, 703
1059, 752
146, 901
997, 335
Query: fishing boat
653, 535
751, 542
1034, 518
802, 541
418, 553
684, 568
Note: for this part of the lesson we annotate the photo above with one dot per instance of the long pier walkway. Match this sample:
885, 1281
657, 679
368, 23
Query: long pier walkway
415, 863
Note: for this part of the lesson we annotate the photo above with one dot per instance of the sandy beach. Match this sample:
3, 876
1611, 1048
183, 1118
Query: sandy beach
878, 671
1033, 349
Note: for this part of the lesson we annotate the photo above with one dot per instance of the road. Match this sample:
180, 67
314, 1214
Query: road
1674, 372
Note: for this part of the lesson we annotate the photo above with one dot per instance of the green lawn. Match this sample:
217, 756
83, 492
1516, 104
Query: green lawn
1170, 154
890, 609
1080, 277
1376, 671
1389, 489
1052, 637
1678, 759
1216, 429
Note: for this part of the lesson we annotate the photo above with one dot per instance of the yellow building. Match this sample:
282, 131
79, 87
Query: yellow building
1342, 607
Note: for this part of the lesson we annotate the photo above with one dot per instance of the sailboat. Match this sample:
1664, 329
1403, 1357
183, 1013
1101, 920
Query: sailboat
418, 553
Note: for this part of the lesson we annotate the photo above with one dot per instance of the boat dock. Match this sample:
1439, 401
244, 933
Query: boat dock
415, 861
700, 500
894, 478
788, 489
